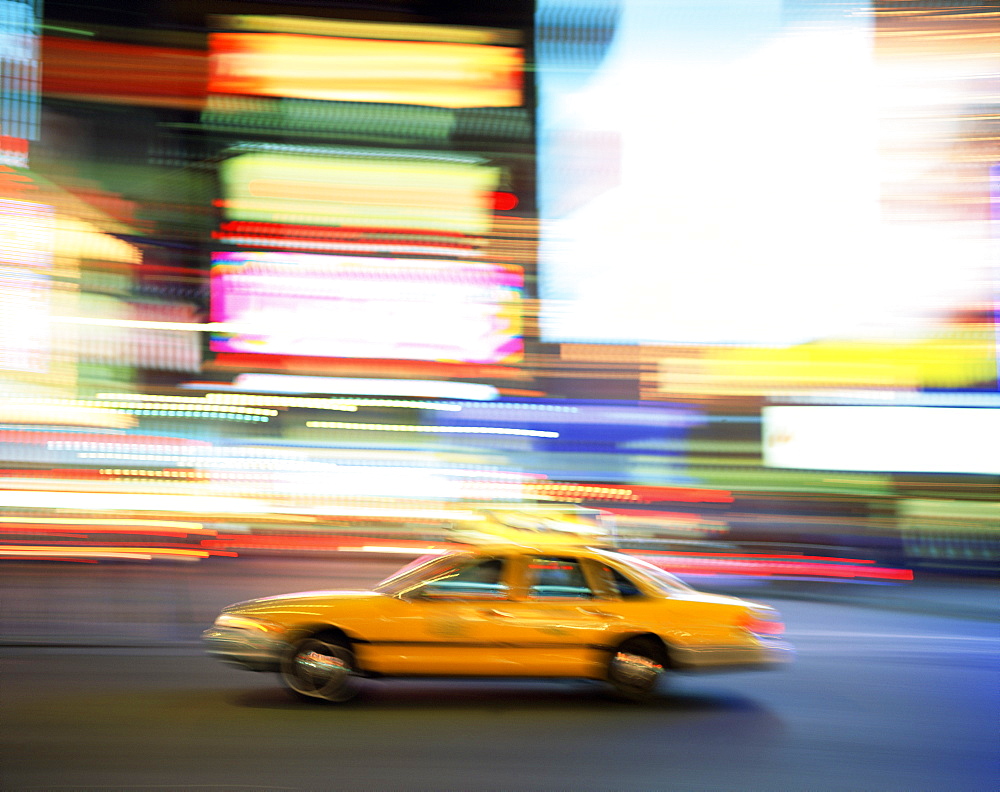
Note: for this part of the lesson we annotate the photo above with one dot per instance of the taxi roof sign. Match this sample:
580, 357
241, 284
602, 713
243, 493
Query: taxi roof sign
557, 525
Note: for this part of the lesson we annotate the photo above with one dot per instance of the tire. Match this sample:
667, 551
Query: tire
636, 668
321, 668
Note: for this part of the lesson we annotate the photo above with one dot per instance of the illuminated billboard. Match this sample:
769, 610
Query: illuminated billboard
429, 73
374, 190
360, 307
27, 237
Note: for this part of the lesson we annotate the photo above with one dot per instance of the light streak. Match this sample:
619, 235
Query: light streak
489, 430
410, 72
296, 383
67, 417
162, 405
304, 402
90, 501
142, 324
172, 525
772, 566
141, 553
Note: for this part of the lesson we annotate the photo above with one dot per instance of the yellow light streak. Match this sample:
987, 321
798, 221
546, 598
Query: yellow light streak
434, 74
239, 399
187, 407
66, 415
70, 553
110, 551
369, 30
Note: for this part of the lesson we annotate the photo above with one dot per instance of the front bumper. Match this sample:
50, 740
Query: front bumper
767, 653
245, 648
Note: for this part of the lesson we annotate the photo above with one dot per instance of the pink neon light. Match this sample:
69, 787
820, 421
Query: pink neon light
360, 307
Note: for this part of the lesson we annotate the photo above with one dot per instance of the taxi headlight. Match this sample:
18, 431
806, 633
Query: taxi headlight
234, 622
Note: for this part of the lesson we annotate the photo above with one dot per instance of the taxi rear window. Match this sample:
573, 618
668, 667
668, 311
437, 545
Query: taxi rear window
555, 576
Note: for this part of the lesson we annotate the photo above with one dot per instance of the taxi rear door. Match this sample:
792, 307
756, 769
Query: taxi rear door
557, 621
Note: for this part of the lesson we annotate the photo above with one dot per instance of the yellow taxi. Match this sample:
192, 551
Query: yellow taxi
528, 596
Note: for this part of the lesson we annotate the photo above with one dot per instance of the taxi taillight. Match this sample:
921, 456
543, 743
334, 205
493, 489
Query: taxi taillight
760, 624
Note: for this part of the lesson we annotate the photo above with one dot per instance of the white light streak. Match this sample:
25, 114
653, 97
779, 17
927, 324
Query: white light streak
294, 383
490, 430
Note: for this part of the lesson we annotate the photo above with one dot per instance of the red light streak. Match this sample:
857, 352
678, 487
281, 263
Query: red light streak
354, 234
320, 543
796, 556
42, 438
135, 73
361, 367
57, 558
750, 567
683, 494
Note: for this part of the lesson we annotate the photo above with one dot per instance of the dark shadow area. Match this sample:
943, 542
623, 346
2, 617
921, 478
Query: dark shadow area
399, 695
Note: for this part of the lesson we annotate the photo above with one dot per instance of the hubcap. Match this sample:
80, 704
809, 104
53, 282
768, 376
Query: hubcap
320, 669
635, 671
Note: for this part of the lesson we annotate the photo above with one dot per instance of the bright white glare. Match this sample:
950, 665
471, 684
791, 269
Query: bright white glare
196, 504
142, 324
167, 525
91, 501
734, 197
433, 389
414, 513
886, 439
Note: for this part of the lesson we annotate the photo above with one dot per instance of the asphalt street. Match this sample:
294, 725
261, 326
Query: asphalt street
877, 700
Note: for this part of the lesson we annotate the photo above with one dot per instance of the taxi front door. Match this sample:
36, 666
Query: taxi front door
445, 627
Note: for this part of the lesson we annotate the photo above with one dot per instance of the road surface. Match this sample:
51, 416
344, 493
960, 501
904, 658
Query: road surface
877, 700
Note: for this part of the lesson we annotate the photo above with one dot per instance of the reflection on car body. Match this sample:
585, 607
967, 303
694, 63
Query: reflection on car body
550, 604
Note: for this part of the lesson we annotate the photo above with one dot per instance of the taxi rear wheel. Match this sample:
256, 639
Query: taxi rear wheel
637, 667
321, 668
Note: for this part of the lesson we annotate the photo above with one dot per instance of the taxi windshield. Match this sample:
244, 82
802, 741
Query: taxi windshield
660, 578
420, 569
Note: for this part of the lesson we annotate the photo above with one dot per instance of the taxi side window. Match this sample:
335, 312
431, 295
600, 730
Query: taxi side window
557, 577
625, 588
482, 579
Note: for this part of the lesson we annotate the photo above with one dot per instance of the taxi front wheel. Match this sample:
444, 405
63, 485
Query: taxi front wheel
636, 668
321, 668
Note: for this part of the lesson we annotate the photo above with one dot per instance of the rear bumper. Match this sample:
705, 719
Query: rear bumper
254, 651
768, 653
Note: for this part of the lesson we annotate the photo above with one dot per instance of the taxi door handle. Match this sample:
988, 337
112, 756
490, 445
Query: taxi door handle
602, 614
494, 612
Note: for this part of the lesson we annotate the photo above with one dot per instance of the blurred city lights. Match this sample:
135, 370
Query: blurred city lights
362, 68
739, 257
